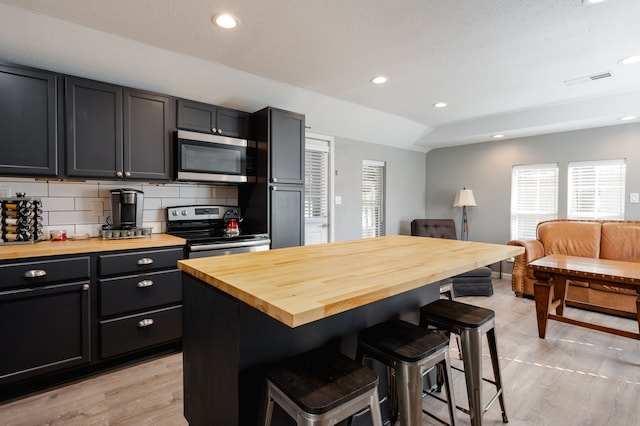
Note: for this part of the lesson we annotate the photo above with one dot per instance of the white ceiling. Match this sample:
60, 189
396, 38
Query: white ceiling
499, 64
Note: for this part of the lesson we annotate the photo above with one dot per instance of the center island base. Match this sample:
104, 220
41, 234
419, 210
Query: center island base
227, 344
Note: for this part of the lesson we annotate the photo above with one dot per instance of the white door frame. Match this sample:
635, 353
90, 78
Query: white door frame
330, 204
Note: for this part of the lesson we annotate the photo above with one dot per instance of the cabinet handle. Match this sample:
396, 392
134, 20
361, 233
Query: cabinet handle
214, 130
145, 261
274, 180
85, 287
219, 131
145, 323
119, 173
145, 283
127, 173
34, 273
274, 188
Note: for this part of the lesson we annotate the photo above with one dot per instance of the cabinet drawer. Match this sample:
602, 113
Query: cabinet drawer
126, 334
139, 261
39, 273
135, 293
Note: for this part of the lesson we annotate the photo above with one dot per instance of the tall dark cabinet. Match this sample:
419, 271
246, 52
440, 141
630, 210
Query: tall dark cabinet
116, 132
275, 204
28, 107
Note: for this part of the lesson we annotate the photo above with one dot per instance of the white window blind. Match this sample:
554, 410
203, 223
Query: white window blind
534, 198
316, 163
372, 198
596, 189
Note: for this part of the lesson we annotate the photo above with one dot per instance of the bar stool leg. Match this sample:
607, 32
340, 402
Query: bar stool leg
448, 381
495, 362
409, 385
471, 340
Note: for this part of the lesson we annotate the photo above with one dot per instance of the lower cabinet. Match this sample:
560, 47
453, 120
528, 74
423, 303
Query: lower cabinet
66, 315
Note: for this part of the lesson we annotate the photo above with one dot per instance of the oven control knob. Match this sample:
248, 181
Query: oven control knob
174, 212
184, 212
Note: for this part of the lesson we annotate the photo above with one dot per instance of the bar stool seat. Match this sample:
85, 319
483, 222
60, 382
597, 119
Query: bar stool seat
470, 323
321, 387
411, 351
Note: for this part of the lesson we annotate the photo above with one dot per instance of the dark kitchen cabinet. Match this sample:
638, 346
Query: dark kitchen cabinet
205, 118
28, 107
140, 300
45, 322
115, 132
275, 203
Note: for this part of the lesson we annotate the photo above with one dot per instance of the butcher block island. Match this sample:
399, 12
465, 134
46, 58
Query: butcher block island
244, 311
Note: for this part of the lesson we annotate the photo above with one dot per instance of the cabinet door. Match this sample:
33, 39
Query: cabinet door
286, 216
43, 329
196, 116
286, 147
28, 125
94, 129
232, 123
147, 142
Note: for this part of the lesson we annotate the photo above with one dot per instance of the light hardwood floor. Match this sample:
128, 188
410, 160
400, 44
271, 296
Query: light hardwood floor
573, 377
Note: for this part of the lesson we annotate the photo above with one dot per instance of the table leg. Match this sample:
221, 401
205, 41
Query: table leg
542, 292
560, 292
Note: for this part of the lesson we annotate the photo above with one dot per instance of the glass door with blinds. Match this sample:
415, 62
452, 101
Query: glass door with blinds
316, 191
373, 206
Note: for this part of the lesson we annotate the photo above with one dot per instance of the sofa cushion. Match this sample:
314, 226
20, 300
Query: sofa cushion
571, 238
620, 241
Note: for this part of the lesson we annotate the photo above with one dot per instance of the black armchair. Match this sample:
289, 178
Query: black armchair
473, 283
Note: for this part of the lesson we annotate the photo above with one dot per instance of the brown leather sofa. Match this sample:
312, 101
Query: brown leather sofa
615, 240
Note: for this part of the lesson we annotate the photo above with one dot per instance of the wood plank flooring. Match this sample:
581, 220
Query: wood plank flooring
573, 377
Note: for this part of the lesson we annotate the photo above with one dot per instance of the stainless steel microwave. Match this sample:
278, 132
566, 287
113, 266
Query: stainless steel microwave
212, 158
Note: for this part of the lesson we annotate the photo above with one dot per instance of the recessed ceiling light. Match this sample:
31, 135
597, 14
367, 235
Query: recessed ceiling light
440, 104
593, 1
630, 60
379, 79
628, 118
225, 21
498, 136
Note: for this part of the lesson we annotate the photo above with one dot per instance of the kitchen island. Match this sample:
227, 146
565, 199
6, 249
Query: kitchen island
244, 311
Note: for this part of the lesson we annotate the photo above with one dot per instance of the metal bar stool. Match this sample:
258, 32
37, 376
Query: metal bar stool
321, 387
470, 323
411, 351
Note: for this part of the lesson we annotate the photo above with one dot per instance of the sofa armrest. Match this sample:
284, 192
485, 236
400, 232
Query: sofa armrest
533, 249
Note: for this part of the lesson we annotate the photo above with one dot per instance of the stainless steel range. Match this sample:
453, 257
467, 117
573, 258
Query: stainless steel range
213, 231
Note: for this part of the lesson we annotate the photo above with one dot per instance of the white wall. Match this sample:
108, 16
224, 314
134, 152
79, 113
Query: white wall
71, 205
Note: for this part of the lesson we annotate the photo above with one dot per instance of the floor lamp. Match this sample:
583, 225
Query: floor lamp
464, 198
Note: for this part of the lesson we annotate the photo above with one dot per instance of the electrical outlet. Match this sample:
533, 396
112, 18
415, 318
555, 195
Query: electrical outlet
634, 197
338, 200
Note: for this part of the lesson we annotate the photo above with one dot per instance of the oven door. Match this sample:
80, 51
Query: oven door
211, 158
219, 249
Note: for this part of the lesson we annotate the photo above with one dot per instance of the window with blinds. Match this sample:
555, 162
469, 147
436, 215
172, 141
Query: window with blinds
316, 163
372, 198
596, 189
534, 198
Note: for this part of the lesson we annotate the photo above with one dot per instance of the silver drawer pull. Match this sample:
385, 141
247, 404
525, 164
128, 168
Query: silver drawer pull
145, 283
33, 273
145, 323
145, 261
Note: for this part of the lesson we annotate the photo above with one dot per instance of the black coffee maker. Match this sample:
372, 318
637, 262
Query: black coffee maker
126, 208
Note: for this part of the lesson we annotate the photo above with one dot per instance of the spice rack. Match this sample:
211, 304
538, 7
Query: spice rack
20, 220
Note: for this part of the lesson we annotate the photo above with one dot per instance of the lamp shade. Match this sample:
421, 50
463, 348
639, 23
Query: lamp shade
464, 197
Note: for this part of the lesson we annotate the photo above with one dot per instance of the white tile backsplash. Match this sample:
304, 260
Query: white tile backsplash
72, 205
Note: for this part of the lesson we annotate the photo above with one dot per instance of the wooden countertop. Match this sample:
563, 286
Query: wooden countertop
299, 285
91, 245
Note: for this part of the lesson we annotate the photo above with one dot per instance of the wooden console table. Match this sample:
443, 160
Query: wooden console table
550, 290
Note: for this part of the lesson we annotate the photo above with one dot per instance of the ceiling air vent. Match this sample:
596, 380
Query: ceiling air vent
589, 78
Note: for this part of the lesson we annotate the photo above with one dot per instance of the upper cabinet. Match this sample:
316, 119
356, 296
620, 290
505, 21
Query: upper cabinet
286, 146
115, 132
205, 118
28, 107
